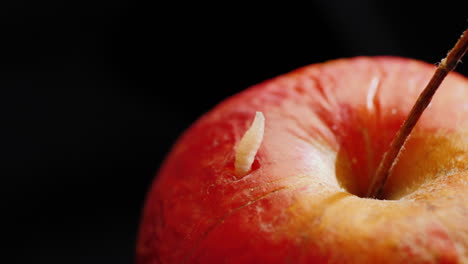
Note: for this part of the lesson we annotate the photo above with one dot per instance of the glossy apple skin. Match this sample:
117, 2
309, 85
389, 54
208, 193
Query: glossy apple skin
327, 126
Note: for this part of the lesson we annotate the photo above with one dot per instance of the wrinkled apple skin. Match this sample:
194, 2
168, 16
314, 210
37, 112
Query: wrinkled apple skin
327, 126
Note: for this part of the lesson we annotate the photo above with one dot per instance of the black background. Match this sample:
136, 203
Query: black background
93, 94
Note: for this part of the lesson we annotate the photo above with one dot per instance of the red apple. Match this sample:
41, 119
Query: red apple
326, 128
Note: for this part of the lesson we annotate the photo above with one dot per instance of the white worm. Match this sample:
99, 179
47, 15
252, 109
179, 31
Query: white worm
249, 145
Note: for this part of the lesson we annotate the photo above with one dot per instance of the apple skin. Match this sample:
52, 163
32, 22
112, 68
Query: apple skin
327, 126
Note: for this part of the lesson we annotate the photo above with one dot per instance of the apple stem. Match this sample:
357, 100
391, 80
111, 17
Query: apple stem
390, 157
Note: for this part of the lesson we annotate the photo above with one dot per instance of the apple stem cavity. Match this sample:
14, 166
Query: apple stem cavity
248, 146
391, 156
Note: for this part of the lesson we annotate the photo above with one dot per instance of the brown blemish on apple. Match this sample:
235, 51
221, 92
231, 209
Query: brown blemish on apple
248, 146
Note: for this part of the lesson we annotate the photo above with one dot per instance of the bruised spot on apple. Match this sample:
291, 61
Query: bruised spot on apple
327, 127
